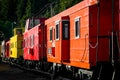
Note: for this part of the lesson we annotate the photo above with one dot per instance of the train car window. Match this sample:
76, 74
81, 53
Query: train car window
57, 30
19, 31
77, 27
65, 30
37, 21
51, 30
29, 42
26, 42
31, 24
49, 50
34, 22
12, 45
54, 33
32, 40
16, 45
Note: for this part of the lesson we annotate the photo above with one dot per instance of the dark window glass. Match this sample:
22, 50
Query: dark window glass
54, 33
32, 23
57, 31
77, 28
65, 30
19, 31
50, 34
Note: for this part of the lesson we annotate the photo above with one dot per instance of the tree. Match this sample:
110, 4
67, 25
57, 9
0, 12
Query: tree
4, 25
20, 9
4, 9
28, 11
7, 10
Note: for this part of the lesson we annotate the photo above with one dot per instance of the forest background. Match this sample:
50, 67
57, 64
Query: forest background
13, 13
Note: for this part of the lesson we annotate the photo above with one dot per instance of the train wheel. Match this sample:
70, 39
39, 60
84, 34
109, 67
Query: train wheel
103, 71
78, 76
46, 66
116, 73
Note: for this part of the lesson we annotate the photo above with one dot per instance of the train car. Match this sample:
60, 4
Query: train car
34, 41
81, 42
16, 43
85, 38
7, 49
3, 49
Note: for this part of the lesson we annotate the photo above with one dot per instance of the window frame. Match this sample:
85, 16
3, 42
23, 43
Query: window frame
77, 34
51, 34
57, 34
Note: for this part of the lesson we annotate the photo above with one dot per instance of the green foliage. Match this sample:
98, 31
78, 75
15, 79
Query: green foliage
20, 10
62, 5
4, 9
7, 11
57, 7
27, 13
5, 28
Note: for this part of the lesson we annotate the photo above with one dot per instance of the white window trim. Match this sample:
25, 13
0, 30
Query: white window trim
77, 19
57, 23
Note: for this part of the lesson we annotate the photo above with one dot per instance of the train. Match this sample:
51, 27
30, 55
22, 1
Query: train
80, 43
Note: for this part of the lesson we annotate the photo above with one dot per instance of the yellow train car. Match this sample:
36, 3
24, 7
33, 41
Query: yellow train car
16, 50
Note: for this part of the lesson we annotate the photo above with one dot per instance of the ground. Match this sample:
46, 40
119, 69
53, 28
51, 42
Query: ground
12, 73
8, 72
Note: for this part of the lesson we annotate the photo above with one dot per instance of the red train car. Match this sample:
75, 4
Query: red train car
82, 36
34, 40
7, 49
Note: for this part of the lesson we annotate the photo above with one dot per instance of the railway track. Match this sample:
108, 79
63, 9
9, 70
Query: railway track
49, 76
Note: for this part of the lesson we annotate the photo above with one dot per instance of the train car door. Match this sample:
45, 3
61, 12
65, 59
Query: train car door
65, 44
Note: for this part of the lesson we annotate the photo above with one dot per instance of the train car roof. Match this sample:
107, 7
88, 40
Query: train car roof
79, 6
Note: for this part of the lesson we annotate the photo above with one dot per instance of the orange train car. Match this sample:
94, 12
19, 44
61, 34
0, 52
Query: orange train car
68, 36
81, 36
